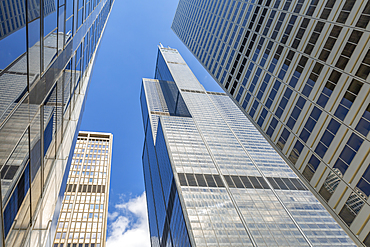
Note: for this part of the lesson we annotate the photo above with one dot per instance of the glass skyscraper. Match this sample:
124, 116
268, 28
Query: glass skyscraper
211, 178
83, 215
47, 52
299, 70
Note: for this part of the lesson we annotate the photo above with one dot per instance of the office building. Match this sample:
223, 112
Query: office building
211, 179
84, 212
299, 70
45, 69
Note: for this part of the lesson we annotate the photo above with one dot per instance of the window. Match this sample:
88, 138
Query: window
298, 71
330, 42
352, 207
330, 184
278, 25
327, 138
310, 124
272, 94
314, 37
348, 99
348, 153
348, 49
286, 65
255, 80
363, 125
246, 100
311, 167
262, 117
254, 108
283, 102
312, 7
328, 88
269, 22
272, 127
300, 32
263, 86
327, 9
296, 112
276, 58
266, 53
283, 138
364, 184
345, 11
365, 17
296, 151
364, 69
312, 79
367, 240
288, 29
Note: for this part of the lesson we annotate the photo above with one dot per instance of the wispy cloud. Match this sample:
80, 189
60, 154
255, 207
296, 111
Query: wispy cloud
129, 224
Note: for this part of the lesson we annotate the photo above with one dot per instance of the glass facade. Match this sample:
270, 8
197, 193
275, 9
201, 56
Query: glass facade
212, 179
47, 51
299, 70
84, 212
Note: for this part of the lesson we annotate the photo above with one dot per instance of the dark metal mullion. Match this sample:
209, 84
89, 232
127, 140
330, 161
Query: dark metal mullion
70, 88
30, 172
42, 147
29, 128
41, 37
56, 120
64, 29
62, 110
82, 62
57, 26
2, 221
83, 11
73, 17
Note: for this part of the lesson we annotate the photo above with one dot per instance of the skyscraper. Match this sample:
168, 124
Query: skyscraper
83, 215
45, 69
211, 179
299, 71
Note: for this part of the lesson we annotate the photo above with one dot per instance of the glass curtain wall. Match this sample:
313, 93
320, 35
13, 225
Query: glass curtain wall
46, 54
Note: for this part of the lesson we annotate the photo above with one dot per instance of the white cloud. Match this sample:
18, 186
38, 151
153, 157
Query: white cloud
129, 225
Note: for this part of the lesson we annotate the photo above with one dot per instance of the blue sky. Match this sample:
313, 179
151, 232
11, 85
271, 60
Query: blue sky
127, 54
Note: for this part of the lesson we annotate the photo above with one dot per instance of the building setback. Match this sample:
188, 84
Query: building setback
45, 71
211, 179
83, 215
299, 70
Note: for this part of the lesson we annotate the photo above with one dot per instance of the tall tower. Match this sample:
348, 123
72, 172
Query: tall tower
211, 179
299, 70
45, 70
84, 212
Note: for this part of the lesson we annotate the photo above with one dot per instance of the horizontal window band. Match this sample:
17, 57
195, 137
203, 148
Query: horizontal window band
160, 113
234, 181
86, 188
192, 91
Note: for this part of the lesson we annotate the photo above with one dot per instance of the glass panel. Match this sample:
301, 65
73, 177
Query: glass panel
50, 34
61, 27
49, 110
15, 185
66, 97
351, 208
36, 159
330, 185
34, 51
